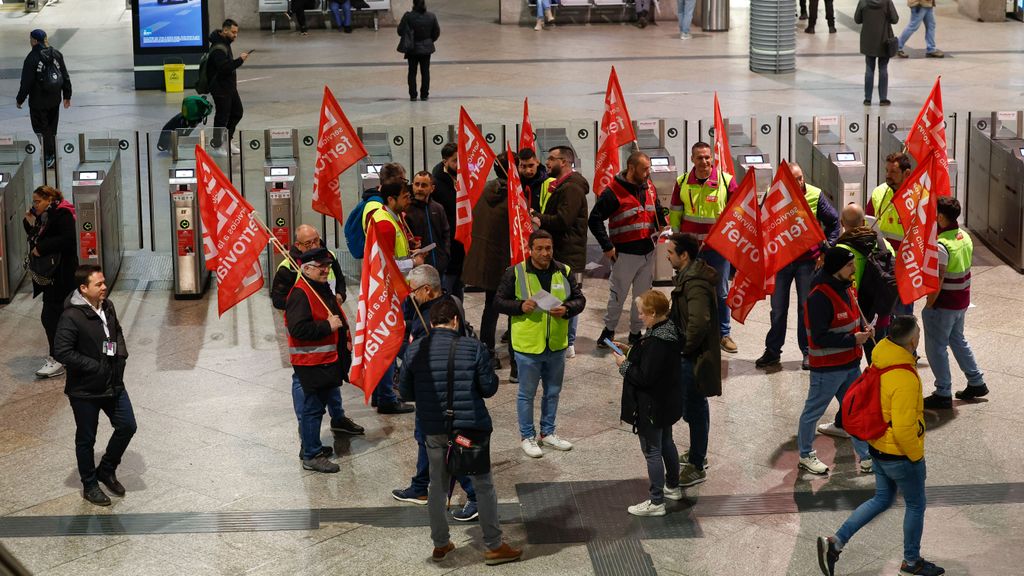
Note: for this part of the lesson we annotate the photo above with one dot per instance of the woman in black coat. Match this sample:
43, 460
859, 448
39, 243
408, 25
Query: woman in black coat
877, 43
652, 400
50, 225
419, 30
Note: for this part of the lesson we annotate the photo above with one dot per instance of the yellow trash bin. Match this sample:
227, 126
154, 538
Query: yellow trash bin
174, 77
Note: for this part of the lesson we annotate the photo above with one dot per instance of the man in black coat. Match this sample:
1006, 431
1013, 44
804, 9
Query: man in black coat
445, 173
422, 29
428, 222
45, 82
224, 82
90, 344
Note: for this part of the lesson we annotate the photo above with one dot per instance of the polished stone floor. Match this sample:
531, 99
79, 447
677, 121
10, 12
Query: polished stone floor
212, 395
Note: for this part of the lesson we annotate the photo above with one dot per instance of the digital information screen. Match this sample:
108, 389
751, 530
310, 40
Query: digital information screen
846, 157
184, 174
659, 161
170, 23
753, 159
278, 171
88, 175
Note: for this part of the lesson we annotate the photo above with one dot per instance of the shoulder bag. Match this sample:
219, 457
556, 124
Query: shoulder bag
469, 451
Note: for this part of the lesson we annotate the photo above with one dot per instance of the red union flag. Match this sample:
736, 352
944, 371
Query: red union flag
337, 148
917, 262
723, 154
527, 138
380, 325
232, 241
519, 224
475, 161
927, 139
616, 130
789, 227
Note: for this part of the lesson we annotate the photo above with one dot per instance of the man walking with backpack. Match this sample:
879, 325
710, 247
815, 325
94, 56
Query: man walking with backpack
44, 82
223, 82
898, 454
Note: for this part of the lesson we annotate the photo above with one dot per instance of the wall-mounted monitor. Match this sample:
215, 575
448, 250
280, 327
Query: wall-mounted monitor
169, 26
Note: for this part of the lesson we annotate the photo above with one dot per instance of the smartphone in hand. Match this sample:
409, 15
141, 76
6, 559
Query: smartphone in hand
614, 348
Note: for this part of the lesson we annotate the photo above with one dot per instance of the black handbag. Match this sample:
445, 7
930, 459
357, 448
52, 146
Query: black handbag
469, 451
892, 43
407, 41
42, 268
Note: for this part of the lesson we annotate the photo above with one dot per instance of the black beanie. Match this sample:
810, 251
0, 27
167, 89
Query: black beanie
836, 258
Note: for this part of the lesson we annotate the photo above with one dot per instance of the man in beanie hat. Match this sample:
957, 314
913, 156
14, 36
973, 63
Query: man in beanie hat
835, 334
44, 82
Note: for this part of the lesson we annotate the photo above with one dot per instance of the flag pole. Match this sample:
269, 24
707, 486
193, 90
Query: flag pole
284, 252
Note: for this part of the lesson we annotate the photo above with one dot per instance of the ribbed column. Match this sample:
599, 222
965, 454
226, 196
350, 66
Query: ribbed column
773, 36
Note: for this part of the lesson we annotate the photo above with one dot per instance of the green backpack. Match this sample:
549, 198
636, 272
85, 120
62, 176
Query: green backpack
203, 80
195, 109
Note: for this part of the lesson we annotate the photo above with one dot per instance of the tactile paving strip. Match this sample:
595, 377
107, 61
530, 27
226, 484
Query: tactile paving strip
620, 558
159, 523
145, 271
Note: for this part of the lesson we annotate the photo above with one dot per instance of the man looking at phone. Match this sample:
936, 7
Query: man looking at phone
224, 82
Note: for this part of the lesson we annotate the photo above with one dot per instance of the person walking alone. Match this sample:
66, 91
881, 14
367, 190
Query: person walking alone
224, 83
45, 83
419, 30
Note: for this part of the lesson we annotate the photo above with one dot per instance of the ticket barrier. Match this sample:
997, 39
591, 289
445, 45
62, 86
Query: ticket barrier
383, 145
820, 147
995, 183
749, 154
658, 139
187, 255
15, 187
580, 135
435, 136
892, 136
96, 190
282, 207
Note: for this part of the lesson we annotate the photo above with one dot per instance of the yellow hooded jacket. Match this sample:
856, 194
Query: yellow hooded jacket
902, 403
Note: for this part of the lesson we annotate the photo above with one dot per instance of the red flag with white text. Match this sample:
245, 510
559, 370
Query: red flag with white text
475, 161
789, 228
927, 138
527, 137
380, 324
520, 226
232, 240
917, 261
723, 154
616, 130
337, 149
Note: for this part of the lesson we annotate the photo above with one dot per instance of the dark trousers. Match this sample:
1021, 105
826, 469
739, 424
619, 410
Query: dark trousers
800, 273
662, 460
44, 123
314, 405
697, 414
830, 13
423, 62
299, 12
883, 77
489, 321
227, 114
118, 409
53, 306
421, 480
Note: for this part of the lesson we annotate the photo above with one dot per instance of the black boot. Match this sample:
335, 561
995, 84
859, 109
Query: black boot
832, 27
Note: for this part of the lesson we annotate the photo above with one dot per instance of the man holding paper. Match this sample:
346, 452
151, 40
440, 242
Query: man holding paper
540, 297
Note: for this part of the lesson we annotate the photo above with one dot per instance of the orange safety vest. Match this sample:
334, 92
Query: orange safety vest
316, 352
632, 221
845, 320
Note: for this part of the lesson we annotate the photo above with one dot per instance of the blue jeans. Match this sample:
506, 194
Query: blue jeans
684, 8
917, 14
824, 387
945, 329
299, 400
542, 5
800, 271
573, 324
902, 309
547, 369
87, 416
722, 266
662, 460
883, 78
421, 480
697, 415
384, 393
313, 408
337, 8
909, 478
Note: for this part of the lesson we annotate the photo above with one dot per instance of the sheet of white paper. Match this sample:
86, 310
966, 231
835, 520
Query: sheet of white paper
424, 249
545, 301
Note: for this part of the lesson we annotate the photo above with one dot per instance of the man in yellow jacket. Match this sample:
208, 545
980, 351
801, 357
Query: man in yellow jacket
898, 455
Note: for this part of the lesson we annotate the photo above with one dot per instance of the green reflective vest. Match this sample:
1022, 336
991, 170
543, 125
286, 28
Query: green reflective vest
538, 331
383, 214
961, 250
700, 204
812, 194
860, 260
545, 193
331, 279
885, 211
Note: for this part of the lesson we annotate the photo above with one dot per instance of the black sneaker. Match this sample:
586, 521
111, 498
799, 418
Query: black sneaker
827, 555
936, 402
325, 451
972, 392
805, 364
832, 29
606, 334
634, 339
95, 495
321, 464
346, 426
809, 30
922, 568
803, 16
767, 359
396, 408
110, 481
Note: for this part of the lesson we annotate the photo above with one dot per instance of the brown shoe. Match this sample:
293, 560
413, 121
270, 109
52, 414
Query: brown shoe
441, 553
728, 345
936, 54
502, 554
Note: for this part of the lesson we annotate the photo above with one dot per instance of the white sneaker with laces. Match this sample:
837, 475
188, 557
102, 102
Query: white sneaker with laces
866, 466
684, 36
531, 448
673, 493
556, 442
570, 352
813, 465
50, 369
830, 429
646, 508
235, 149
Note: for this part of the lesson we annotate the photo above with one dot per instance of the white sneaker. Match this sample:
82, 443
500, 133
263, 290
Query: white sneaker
556, 442
646, 508
531, 448
235, 149
813, 465
866, 466
218, 151
50, 369
673, 493
830, 429
570, 352
684, 36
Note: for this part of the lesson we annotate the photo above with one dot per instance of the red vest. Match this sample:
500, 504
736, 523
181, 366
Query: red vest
845, 320
315, 352
632, 221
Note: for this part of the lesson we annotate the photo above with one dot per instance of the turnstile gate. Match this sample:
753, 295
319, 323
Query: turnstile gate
96, 189
659, 139
829, 162
995, 183
16, 184
892, 135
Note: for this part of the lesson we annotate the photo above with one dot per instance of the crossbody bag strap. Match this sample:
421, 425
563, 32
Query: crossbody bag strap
450, 412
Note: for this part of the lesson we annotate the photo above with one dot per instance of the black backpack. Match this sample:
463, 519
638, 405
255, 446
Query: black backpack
49, 75
203, 80
878, 292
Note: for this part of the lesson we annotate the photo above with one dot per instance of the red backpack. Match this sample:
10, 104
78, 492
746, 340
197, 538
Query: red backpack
862, 404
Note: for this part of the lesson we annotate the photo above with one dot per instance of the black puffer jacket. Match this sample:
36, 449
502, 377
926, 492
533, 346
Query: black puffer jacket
222, 65
425, 30
424, 380
78, 345
33, 67
54, 233
652, 391
444, 194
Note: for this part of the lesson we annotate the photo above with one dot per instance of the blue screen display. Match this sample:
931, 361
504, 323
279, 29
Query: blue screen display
170, 23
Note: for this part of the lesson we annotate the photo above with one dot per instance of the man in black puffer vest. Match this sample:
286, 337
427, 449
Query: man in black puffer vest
90, 344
